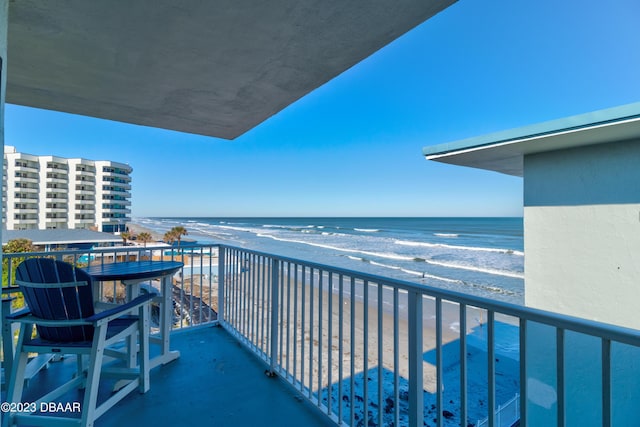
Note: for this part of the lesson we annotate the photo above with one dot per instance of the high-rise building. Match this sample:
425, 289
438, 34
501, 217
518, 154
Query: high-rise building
46, 192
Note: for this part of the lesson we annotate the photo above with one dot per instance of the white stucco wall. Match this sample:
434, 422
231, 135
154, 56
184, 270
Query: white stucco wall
582, 232
582, 258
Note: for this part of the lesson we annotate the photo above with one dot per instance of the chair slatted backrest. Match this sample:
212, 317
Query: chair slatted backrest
56, 290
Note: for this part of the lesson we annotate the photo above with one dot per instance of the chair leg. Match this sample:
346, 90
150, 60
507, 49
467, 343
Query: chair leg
16, 380
7, 338
143, 337
93, 376
80, 369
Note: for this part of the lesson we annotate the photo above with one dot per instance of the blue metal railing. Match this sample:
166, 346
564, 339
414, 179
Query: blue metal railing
371, 350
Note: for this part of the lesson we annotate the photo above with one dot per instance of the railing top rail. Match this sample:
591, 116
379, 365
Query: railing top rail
585, 326
111, 249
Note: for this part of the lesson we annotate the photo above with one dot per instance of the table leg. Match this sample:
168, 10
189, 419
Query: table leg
133, 290
166, 321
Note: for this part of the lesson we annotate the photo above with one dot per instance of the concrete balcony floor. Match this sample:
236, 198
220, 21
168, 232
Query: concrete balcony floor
215, 382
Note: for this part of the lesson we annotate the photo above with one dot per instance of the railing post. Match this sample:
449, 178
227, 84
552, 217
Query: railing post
416, 391
221, 283
273, 339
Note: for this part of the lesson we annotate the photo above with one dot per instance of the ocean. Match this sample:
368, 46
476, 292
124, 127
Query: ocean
479, 256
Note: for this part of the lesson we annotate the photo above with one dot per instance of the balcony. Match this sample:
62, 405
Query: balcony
85, 190
28, 179
24, 167
349, 348
218, 396
116, 209
85, 208
25, 196
56, 166
56, 180
91, 173
116, 184
25, 221
25, 188
26, 210
112, 171
114, 190
56, 211
85, 221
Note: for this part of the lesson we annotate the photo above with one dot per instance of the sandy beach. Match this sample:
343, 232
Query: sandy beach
136, 229
311, 351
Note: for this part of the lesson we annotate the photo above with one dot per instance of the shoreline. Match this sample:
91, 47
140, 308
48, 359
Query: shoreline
136, 229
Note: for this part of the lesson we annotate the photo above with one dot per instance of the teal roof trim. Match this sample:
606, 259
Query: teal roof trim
572, 123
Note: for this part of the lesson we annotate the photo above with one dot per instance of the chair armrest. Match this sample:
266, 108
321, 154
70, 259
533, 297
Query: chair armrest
11, 290
27, 318
119, 310
18, 314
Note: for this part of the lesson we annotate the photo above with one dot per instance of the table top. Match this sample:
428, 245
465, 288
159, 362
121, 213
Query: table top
132, 270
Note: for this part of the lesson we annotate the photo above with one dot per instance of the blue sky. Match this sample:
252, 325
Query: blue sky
353, 146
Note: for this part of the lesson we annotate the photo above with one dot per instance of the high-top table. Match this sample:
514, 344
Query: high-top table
132, 273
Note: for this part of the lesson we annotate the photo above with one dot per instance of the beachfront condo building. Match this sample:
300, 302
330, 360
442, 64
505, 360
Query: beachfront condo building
51, 192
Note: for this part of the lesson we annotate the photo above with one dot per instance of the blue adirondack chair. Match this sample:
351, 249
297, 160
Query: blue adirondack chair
61, 307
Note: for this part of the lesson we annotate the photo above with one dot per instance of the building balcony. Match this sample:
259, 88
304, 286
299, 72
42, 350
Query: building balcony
57, 180
85, 184
25, 220
119, 185
84, 220
116, 171
25, 197
222, 381
84, 208
27, 189
57, 210
342, 347
123, 210
86, 181
86, 173
56, 197
30, 180
32, 210
56, 223
119, 201
27, 168
114, 190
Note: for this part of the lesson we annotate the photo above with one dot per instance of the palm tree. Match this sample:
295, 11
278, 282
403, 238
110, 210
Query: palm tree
126, 236
170, 237
178, 232
145, 237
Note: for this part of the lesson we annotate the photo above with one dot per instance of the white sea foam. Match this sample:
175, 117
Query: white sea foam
445, 234
415, 272
477, 269
400, 257
335, 248
404, 270
458, 247
367, 230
